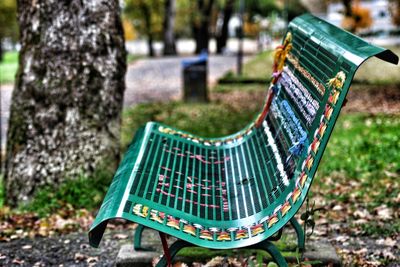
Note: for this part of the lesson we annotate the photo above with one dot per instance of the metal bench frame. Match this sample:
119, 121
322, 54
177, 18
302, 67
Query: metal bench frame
241, 190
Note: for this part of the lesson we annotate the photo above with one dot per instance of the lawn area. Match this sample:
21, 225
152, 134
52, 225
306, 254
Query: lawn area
8, 67
258, 69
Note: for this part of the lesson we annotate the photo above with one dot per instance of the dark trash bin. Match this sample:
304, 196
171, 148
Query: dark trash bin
195, 78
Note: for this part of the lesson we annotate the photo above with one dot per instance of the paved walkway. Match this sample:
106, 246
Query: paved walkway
147, 80
159, 79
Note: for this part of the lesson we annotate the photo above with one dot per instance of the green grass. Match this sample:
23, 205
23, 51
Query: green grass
81, 192
362, 155
130, 58
208, 120
8, 67
376, 228
258, 68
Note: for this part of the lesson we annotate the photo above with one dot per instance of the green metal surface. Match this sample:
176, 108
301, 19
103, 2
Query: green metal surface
137, 239
301, 238
239, 190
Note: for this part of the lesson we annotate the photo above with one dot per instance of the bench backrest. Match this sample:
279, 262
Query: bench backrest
318, 63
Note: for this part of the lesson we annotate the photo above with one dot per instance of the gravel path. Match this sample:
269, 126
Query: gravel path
159, 79
64, 250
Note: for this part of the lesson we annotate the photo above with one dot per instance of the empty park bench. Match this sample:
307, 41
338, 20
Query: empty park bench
241, 190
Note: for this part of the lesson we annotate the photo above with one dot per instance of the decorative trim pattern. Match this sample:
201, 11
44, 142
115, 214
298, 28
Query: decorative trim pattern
206, 142
295, 62
281, 52
306, 103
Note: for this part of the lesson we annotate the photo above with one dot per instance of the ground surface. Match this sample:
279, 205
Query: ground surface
370, 250
65, 250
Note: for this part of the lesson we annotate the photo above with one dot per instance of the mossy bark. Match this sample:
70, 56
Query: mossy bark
66, 105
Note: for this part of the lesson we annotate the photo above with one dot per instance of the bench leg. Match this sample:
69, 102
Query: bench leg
265, 245
173, 250
299, 233
137, 240
269, 247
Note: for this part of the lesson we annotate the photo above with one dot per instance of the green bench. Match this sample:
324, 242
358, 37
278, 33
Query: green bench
241, 190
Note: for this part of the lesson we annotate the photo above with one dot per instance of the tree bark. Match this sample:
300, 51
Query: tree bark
222, 37
169, 22
66, 105
201, 29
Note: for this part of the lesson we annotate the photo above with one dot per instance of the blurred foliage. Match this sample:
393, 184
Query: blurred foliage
261, 8
188, 12
139, 12
129, 30
356, 17
8, 20
395, 11
8, 67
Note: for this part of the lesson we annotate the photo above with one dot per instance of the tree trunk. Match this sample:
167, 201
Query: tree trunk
66, 105
201, 29
147, 22
169, 22
1, 51
222, 37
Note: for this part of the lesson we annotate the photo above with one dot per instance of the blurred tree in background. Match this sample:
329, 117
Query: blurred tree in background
294, 9
200, 19
168, 27
201, 23
8, 22
67, 102
147, 18
226, 11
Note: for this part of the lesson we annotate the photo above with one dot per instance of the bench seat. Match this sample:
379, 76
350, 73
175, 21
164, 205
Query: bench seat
239, 190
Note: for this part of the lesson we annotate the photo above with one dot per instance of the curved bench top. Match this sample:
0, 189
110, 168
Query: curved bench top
238, 190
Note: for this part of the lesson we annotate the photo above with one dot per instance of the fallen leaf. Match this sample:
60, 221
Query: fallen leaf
92, 260
388, 255
18, 261
342, 238
384, 213
80, 256
120, 236
337, 208
362, 214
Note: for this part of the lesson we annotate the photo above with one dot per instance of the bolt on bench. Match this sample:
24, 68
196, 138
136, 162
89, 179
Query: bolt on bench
240, 190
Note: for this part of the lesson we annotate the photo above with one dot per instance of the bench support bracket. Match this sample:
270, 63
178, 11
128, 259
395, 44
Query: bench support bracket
299, 233
137, 240
265, 245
